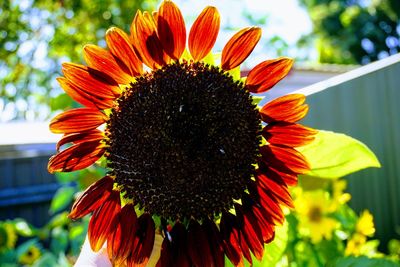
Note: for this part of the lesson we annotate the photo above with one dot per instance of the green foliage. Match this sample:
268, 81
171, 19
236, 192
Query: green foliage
332, 155
356, 31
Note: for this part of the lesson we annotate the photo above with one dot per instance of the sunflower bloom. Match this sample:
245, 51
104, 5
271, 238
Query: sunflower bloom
31, 255
191, 159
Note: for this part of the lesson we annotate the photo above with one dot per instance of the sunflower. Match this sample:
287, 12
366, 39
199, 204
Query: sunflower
31, 255
190, 157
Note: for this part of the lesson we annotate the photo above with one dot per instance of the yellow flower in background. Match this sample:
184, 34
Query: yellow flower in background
313, 209
30, 255
8, 236
365, 224
355, 244
364, 227
338, 187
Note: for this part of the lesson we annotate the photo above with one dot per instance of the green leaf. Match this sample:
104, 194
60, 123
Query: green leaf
333, 155
23, 228
364, 262
62, 198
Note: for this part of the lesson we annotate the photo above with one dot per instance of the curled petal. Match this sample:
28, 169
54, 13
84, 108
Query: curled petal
102, 60
76, 157
103, 221
143, 241
171, 29
77, 138
268, 73
92, 198
144, 36
121, 48
288, 108
288, 134
284, 158
239, 47
84, 96
203, 33
77, 120
119, 244
198, 246
91, 81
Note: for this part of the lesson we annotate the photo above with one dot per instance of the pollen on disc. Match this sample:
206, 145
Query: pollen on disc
183, 140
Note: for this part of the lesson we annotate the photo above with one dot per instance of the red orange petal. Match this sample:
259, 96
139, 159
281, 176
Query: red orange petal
143, 242
92, 198
77, 120
203, 33
103, 221
284, 158
76, 157
288, 108
120, 46
102, 60
146, 41
276, 187
77, 138
119, 244
171, 29
288, 134
230, 238
251, 231
268, 73
84, 95
91, 81
239, 47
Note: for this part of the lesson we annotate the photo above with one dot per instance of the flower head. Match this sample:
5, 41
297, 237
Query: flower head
30, 255
8, 236
190, 157
314, 209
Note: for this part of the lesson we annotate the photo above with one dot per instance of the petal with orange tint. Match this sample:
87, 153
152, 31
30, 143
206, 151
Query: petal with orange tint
289, 177
203, 33
119, 244
275, 186
251, 231
146, 41
268, 204
102, 60
143, 241
91, 81
288, 134
198, 246
103, 221
92, 198
268, 73
254, 211
77, 138
76, 157
284, 158
171, 29
83, 97
288, 108
239, 47
121, 48
230, 238
77, 120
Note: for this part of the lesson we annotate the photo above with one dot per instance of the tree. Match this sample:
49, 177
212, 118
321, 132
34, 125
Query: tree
352, 31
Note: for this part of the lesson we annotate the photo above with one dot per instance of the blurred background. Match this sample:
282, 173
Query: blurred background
347, 62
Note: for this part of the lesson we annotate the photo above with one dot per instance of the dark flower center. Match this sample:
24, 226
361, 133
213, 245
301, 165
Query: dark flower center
183, 141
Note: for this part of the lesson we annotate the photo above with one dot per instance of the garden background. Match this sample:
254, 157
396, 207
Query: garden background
347, 62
